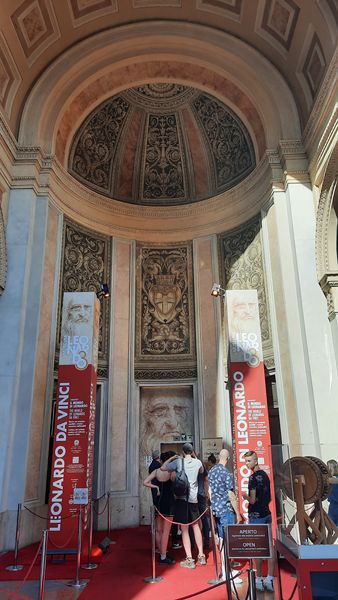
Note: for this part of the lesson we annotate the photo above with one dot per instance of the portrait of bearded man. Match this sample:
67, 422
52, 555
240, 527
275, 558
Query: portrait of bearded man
165, 414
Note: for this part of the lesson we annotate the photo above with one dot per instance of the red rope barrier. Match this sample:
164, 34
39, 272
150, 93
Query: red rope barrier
29, 570
178, 523
67, 541
97, 512
35, 514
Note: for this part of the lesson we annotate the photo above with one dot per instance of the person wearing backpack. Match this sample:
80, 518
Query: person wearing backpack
185, 471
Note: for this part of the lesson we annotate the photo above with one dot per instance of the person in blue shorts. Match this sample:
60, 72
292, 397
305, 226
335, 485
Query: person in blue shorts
259, 498
223, 500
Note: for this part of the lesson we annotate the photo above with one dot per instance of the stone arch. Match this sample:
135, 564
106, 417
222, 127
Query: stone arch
326, 235
262, 93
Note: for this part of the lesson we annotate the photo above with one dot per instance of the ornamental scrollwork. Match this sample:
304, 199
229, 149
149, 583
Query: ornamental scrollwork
229, 142
165, 335
85, 265
243, 268
165, 302
163, 168
93, 150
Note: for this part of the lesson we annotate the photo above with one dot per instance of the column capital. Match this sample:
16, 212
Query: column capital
294, 162
329, 285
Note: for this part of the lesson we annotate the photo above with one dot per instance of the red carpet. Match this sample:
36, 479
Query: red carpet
53, 571
122, 570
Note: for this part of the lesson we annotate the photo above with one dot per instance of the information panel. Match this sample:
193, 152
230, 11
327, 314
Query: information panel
74, 426
249, 541
247, 389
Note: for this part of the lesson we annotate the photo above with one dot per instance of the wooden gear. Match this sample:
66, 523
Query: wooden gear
309, 483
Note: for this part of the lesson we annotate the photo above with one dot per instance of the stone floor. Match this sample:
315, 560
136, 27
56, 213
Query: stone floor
54, 590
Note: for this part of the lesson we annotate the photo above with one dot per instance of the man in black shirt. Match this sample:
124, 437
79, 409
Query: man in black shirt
259, 498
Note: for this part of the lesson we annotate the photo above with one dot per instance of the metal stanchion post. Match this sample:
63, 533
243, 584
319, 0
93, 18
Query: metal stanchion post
108, 519
252, 582
226, 563
153, 578
43, 564
77, 583
218, 568
89, 565
16, 567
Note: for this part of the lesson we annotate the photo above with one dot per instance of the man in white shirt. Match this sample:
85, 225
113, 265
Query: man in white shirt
186, 509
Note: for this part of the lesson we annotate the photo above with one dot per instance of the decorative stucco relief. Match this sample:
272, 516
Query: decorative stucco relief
162, 144
85, 264
243, 269
165, 339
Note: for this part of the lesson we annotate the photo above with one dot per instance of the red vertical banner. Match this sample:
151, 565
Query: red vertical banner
247, 390
74, 426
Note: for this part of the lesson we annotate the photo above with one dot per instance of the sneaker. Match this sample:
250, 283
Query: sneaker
201, 559
268, 584
176, 546
260, 585
167, 561
188, 563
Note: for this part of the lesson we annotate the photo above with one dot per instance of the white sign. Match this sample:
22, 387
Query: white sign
80, 329
80, 496
244, 333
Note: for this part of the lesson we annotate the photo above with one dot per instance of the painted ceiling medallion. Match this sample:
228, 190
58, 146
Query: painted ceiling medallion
161, 144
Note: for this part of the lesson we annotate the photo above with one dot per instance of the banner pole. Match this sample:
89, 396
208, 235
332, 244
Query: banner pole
89, 565
153, 579
43, 564
77, 583
16, 567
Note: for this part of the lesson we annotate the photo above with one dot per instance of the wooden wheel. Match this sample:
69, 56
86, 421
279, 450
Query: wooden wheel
325, 475
311, 473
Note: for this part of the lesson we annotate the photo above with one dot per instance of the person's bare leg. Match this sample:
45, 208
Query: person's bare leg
158, 532
186, 540
165, 535
258, 563
198, 538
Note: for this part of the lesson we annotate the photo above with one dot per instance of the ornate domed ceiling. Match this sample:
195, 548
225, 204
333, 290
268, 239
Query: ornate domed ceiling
161, 144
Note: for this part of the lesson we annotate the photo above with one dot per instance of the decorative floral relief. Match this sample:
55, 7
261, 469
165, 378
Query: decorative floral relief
244, 269
165, 303
86, 264
163, 170
95, 145
229, 141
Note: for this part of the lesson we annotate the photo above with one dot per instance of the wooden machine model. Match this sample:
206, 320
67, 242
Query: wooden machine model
306, 480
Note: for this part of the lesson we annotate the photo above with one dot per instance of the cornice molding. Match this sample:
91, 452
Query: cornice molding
46, 176
328, 188
321, 131
31, 168
329, 285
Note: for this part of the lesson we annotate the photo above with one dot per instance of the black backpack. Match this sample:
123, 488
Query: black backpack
181, 483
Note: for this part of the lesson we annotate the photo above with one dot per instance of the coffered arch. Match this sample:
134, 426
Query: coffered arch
103, 65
